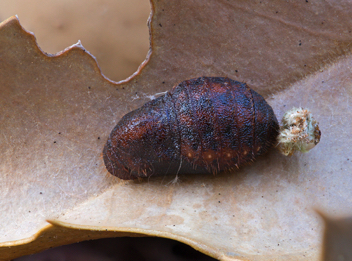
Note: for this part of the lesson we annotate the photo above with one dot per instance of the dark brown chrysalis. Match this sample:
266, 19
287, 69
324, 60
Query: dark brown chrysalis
203, 125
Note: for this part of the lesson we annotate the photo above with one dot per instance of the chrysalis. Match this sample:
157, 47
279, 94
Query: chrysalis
203, 125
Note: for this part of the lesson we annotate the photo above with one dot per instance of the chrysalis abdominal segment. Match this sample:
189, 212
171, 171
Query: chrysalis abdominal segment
203, 125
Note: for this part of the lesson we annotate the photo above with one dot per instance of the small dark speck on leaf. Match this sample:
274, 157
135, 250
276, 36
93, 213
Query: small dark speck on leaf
40, 192
219, 201
123, 88
305, 65
160, 25
219, 193
284, 105
98, 138
59, 132
54, 141
236, 70
262, 196
348, 159
163, 82
306, 1
89, 87
277, 11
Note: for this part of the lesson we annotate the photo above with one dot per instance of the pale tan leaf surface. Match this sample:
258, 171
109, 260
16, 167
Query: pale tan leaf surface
57, 112
266, 210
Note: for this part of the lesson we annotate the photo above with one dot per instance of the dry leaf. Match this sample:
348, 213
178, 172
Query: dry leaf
57, 111
337, 238
114, 31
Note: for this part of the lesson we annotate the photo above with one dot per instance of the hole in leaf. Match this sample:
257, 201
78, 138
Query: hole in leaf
126, 248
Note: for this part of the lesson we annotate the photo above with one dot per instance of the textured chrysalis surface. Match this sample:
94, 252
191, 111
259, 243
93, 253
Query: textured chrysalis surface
203, 125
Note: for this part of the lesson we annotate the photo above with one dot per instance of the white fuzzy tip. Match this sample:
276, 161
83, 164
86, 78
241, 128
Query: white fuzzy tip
299, 131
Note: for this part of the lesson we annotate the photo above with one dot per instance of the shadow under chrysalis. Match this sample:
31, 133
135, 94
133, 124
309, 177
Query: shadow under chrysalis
203, 125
